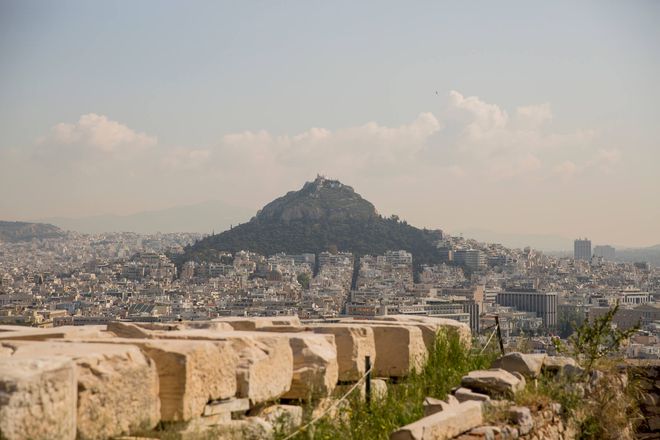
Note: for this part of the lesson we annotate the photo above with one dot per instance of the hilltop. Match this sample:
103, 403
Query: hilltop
24, 231
323, 215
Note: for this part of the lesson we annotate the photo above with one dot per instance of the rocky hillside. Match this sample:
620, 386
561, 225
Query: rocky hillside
324, 214
23, 231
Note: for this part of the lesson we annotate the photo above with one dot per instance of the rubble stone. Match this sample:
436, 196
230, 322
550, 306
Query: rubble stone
464, 394
494, 382
526, 364
283, 417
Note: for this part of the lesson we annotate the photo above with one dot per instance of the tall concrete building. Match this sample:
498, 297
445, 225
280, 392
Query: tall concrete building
473, 259
544, 304
582, 249
605, 251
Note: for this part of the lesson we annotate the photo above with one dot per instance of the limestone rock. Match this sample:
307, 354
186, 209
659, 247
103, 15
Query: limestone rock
378, 389
284, 418
315, 370
443, 425
521, 378
528, 365
494, 382
265, 361
190, 373
562, 365
450, 325
128, 330
354, 343
464, 394
522, 417
400, 349
134, 329
257, 322
433, 405
117, 385
226, 406
265, 367
37, 398
250, 428
12, 333
486, 433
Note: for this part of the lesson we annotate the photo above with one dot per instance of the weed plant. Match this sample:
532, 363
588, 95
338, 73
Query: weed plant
448, 361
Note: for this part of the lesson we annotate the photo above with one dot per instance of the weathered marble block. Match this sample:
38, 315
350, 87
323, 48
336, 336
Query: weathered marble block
37, 398
117, 385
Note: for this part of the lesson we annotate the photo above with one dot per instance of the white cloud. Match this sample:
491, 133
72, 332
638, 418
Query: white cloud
484, 118
475, 142
361, 148
99, 133
533, 116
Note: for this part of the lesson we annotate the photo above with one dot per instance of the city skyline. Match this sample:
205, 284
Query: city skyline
458, 122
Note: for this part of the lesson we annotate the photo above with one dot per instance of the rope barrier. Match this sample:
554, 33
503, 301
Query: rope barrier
489, 339
334, 405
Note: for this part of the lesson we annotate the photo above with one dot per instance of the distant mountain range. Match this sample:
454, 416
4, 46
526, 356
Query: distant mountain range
24, 231
202, 217
323, 215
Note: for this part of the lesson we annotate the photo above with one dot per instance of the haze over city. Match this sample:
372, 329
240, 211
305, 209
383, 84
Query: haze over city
508, 117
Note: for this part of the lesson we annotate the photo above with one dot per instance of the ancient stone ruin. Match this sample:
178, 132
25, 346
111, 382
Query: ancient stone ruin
222, 376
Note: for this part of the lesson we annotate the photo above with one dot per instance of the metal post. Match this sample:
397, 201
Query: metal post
367, 385
499, 333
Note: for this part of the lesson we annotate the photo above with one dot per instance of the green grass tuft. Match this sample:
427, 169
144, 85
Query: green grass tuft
447, 363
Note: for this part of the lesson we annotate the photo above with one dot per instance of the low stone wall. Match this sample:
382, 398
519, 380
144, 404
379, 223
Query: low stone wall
221, 376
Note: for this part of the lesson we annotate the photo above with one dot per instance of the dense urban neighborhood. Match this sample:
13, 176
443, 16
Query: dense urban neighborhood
78, 279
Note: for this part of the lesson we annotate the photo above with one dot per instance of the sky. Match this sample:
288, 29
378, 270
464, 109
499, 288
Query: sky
511, 116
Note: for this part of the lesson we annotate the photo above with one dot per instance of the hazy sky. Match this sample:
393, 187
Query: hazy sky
514, 116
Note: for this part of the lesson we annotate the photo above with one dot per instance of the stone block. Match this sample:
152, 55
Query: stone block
315, 370
117, 385
265, 360
226, 406
443, 425
562, 365
528, 365
250, 428
400, 349
257, 322
354, 343
464, 394
190, 373
494, 382
432, 405
450, 325
128, 330
12, 333
37, 398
